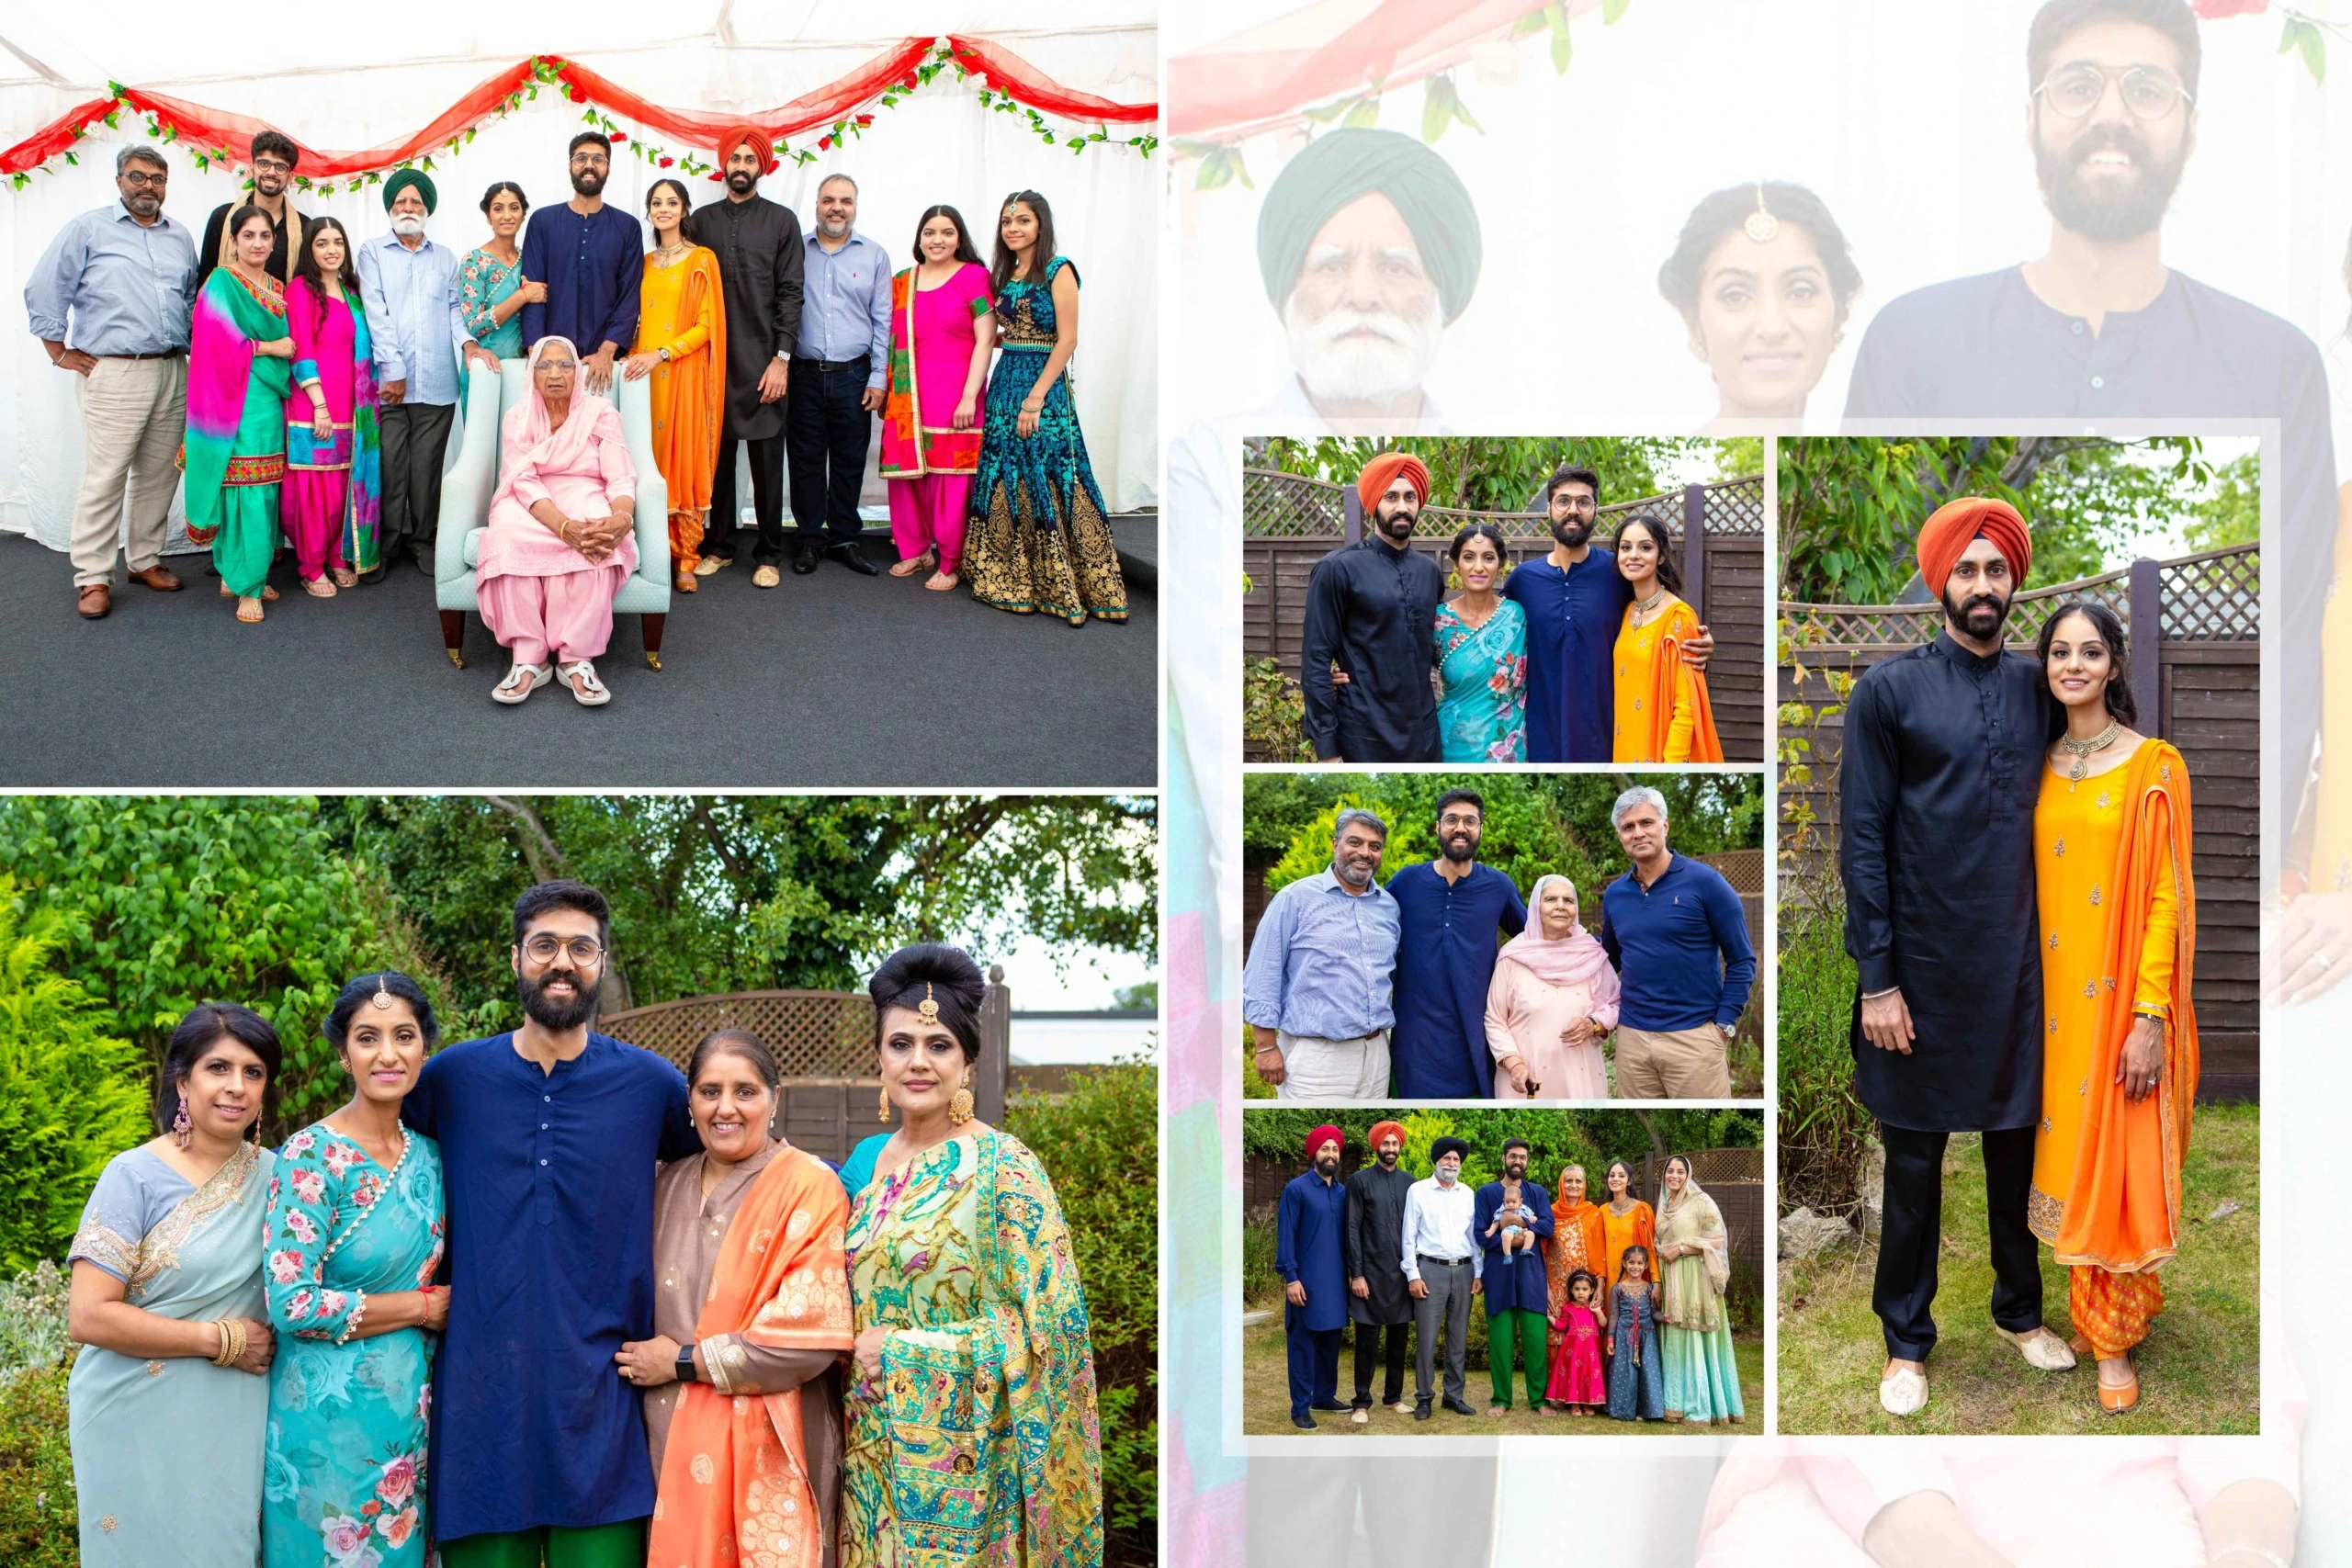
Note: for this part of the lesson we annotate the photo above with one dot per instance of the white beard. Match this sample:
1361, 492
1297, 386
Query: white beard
407, 223
1363, 370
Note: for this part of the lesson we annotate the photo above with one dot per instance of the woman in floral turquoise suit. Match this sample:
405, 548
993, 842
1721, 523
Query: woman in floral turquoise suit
349, 1248
1481, 657
1036, 539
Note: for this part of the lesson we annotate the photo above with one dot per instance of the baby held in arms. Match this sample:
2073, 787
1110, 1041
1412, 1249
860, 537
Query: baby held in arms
1511, 1221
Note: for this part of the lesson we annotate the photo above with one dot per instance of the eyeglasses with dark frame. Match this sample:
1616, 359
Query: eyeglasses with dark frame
137, 178
543, 948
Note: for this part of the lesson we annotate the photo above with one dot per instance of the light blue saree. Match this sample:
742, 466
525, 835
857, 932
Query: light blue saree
1482, 683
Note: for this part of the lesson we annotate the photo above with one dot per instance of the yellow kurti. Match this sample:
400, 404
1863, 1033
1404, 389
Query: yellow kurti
2077, 830
1636, 658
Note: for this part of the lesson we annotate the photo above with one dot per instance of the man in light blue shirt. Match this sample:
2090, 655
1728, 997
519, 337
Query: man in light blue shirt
418, 328
110, 301
1316, 989
838, 366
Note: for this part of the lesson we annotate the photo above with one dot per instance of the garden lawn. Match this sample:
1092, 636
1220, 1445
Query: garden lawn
2199, 1367
1265, 1401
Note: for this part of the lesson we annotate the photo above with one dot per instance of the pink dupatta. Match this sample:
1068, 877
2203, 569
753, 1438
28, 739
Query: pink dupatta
533, 447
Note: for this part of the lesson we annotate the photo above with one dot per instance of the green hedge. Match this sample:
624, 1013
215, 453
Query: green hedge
39, 1527
1824, 1129
1100, 1143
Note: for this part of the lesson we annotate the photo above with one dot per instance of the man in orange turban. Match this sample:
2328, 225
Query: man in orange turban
749, 136
1941, 768
1378, 1304
1371, 611
1312, 1260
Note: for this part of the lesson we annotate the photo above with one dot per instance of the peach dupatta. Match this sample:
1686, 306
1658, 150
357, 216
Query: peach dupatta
735, 1476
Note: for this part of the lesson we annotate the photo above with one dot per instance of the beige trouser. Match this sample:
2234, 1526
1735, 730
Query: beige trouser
1333, 1070
1672, 1064
134, 412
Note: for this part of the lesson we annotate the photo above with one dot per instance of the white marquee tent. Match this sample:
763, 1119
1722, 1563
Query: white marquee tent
352, 78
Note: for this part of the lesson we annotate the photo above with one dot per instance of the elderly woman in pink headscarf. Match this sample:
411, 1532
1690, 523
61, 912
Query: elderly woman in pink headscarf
1552, 1003
560, 539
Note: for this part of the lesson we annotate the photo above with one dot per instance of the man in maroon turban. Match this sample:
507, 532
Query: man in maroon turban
1371, 611
1378, 1304
1310, 1257
1942, 765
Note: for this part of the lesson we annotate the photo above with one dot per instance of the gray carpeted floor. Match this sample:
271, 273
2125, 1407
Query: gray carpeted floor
830, 681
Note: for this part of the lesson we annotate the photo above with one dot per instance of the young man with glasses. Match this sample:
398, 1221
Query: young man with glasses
271, 161
549, 1136
592, 258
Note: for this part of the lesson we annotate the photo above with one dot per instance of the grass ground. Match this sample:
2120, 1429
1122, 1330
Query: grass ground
2199, 1367
1265, 1401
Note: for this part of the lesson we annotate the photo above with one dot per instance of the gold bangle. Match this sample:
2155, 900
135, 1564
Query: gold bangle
230, 1349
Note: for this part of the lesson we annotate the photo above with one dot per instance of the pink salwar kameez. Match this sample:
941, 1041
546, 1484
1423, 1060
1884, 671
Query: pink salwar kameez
329, 503
928, 463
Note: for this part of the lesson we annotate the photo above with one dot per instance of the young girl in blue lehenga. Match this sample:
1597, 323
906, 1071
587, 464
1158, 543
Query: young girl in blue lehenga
1636, 1374
1481, 657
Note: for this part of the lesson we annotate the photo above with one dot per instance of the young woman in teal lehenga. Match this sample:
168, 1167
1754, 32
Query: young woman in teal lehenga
167, 1281
1037, 537
1481, 657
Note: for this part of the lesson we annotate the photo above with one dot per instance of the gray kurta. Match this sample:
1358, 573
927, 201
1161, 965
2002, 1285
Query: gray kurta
688, 1233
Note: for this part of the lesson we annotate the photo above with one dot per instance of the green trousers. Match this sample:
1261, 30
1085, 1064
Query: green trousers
599, 1545
248, 538
1515, 1329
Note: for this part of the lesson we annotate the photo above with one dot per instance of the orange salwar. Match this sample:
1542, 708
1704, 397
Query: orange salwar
680, 309
1663, 714
2112, 1311
734, 1482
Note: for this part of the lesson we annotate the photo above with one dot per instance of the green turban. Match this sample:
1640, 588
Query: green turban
1340, 165
400, 180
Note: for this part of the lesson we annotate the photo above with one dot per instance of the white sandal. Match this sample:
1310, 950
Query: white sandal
510, 692
1902, 1393
590, 692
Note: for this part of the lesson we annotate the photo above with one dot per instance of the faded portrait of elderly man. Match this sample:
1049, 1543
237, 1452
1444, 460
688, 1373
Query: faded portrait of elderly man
1369, 248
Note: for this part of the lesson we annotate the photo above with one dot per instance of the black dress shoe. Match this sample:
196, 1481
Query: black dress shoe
805, 562
1460, 1407
1304, 1423
847, 555
1329, 1405
1421, 1411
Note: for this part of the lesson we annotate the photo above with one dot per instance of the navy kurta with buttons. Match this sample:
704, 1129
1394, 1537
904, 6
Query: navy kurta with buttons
550, 1223
1308, 1250
1573, 618
1521, 1285
1445, 959
1943, 756
594, 264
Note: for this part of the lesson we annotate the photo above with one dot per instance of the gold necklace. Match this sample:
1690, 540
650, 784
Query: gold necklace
1644, 606
666, 254
2079, 749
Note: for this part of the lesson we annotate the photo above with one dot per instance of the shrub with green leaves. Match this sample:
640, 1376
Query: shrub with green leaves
70, 1094
1824, 1128
38, 1525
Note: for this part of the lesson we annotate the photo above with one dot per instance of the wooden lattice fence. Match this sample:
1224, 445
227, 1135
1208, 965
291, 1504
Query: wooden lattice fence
1289, 521
2196, 684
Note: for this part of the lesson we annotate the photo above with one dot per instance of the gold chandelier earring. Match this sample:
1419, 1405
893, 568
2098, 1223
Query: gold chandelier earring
959, 1105
884, 1116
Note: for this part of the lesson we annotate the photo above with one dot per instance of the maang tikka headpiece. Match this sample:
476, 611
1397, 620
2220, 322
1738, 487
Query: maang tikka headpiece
929, 1008
1761, 225
383, 998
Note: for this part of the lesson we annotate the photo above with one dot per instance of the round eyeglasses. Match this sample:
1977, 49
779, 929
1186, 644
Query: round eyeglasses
2149, 93
542, 948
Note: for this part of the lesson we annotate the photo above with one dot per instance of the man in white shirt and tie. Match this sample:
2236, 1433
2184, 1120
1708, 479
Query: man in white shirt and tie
1440, 1259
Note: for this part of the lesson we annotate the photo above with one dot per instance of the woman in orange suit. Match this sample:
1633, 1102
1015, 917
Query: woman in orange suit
1662, 710
682, 343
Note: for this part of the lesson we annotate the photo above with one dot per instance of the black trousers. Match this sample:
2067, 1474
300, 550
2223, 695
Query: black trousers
1911, 1231
1368, 1351
768, 499
413, 439
827, 430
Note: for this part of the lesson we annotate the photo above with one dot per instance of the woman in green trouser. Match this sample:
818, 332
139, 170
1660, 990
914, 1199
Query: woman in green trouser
618, 1545
238, 376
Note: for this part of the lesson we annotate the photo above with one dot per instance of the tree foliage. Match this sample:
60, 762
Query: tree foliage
1499, 473
1851, 507
2231, 515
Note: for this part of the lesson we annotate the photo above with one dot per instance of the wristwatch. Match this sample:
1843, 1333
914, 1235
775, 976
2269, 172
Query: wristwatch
685, 1363
663, 354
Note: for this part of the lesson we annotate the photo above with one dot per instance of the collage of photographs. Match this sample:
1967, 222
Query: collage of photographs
630, 938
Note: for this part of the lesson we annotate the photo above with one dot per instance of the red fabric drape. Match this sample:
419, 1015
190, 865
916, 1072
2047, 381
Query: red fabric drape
824, 106
208, 128
53, 138
1008, 73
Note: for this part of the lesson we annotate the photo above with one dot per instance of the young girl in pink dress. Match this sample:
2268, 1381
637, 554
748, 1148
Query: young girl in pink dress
329, 505
1576, 1365
943, 331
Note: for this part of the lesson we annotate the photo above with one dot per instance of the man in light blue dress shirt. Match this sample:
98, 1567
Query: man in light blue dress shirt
839, 367
110, 301
418, 328
1315, 988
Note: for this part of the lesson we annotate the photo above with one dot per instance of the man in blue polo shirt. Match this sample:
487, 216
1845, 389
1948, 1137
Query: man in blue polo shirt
1674, 929
1448, 911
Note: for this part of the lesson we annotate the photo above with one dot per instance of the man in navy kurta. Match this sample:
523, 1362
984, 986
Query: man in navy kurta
549, 1136
1518, 1300
1309, 1255
1448, 910
592, 257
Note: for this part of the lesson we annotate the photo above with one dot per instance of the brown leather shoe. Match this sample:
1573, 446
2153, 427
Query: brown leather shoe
159, 578
93, 601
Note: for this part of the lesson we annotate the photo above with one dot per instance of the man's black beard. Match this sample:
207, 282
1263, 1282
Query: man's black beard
2104, 211
1574, 533
1326, 1167
1388, 1159
1518, 1175
1464, 855
1385, 524
741, 180
549, 1013
1960, 615
588, 183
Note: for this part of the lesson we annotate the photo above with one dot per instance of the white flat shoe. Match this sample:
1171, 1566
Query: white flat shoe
2042, 1351
1360, 1417
512, 691
1903, 1393
581, 676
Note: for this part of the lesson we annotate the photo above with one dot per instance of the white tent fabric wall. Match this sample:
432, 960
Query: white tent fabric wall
938, 145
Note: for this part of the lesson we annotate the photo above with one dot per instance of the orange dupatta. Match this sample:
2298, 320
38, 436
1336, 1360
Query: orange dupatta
686, 448
1585, 1221
2124, 1208
737, 1469
1657, 714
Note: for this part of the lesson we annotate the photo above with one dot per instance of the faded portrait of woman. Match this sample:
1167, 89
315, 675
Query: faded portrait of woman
1763, 280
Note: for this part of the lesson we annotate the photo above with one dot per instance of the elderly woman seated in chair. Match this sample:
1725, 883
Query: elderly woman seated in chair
559, 542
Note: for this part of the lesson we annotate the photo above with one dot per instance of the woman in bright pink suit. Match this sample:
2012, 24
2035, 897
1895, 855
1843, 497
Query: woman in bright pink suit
559, 543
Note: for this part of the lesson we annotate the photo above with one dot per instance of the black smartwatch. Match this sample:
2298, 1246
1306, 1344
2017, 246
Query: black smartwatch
685, 1363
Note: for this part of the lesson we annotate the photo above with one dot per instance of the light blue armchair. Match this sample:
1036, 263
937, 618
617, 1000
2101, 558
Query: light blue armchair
467, 487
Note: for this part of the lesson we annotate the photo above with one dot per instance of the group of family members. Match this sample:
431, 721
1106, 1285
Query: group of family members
313, 382
1613, 1306
2021, 910
1587, 654
1351, 984
473, 1307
